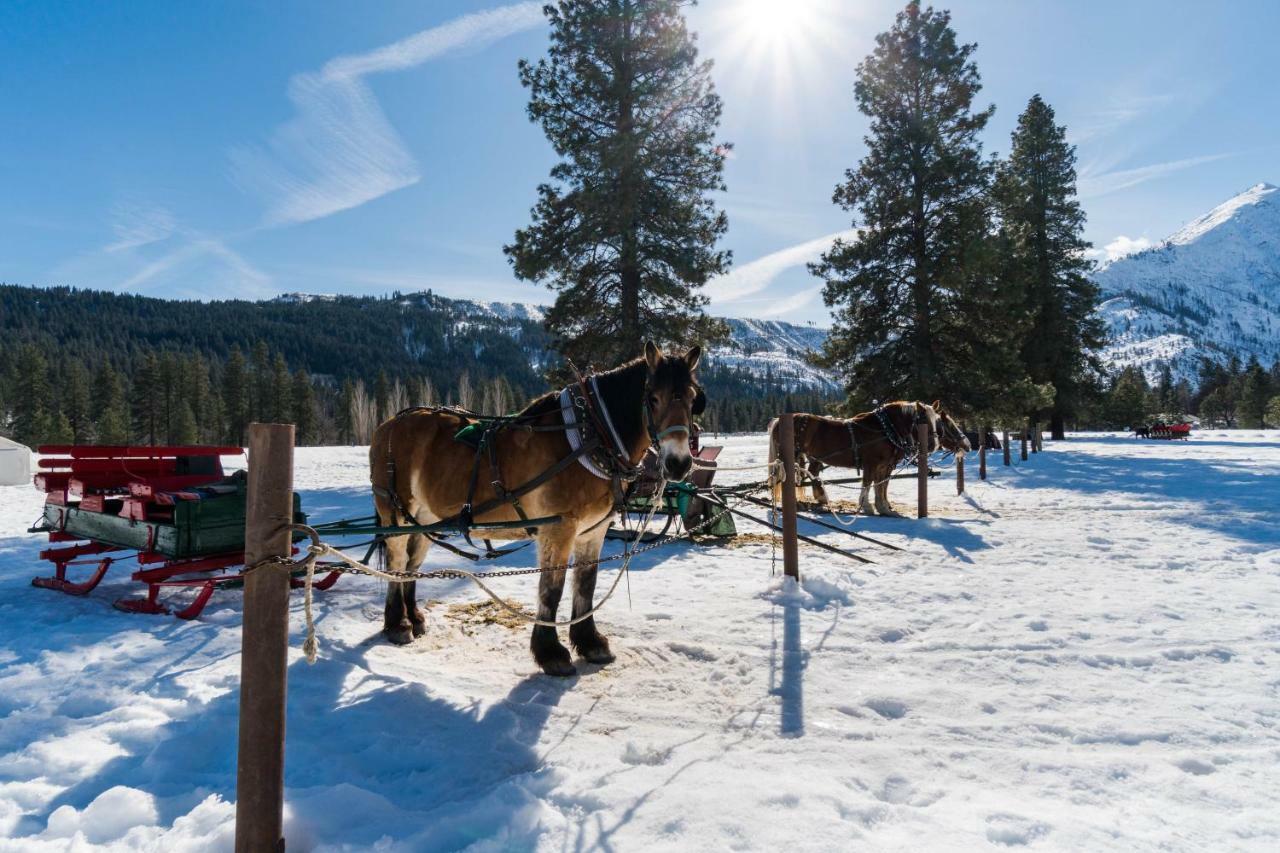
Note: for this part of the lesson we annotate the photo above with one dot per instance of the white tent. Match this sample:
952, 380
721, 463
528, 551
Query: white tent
15, 463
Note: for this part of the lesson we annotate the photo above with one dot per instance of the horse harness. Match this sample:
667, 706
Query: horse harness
593, 440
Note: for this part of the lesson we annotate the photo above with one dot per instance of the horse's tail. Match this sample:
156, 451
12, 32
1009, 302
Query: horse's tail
775, 480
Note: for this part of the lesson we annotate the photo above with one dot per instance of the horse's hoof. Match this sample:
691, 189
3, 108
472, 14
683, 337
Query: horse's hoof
600, 655
419, 628
401, 635
559, 668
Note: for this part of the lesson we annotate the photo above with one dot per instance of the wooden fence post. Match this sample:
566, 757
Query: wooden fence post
1004, 435
1024, 443
1034, 428
922, 466
960, 473
790, 545
982, 453
264, 644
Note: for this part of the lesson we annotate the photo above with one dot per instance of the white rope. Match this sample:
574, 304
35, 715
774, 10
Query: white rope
315, 552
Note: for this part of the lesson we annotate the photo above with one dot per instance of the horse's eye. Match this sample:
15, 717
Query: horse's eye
653, 401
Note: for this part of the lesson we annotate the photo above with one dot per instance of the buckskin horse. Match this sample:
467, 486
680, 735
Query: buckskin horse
563, 460
875, 442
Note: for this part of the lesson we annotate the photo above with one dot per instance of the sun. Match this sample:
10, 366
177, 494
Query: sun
776, 22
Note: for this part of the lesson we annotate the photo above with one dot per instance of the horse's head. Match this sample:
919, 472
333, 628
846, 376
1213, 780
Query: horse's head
672, 399
949, 434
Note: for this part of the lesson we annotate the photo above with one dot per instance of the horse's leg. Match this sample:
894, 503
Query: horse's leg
554, 548
882, 492
584, 636
819, 491
864, 497
418, 545
395, 620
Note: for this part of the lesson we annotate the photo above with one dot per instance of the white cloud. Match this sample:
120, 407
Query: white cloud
1120, 247
1092, 186
340, 151
781, 307
758, 274
139, 225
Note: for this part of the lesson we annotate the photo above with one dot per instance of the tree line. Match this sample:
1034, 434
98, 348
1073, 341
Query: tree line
1235, 394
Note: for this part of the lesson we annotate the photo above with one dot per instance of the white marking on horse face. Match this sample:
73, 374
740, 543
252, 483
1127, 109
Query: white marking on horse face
932, 415
674, 456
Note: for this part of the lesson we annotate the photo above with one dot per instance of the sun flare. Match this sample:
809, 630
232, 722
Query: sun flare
776, 21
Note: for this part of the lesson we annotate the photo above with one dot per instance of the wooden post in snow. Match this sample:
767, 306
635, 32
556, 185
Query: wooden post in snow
1024, 443
982, 453
264, 644
922, 468
790, 545
960, 473
1005, 442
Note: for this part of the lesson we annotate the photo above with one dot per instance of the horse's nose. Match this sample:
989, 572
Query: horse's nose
678, 467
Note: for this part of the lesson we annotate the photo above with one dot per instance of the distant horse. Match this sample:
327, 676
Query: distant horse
528, 468
1142, 432
875, 442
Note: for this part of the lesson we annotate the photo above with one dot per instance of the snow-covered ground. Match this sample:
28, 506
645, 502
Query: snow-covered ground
1081, 653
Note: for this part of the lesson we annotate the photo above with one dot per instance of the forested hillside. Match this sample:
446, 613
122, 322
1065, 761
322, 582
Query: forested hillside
92, 366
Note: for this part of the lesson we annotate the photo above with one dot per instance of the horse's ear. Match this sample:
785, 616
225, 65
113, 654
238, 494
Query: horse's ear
692, 357
652, 356
937, 406
699, 402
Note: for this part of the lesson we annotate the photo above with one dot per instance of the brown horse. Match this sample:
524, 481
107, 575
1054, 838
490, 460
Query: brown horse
563, 457
875, 442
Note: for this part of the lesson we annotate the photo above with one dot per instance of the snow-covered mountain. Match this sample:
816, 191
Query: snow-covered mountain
775, 348
1210, 290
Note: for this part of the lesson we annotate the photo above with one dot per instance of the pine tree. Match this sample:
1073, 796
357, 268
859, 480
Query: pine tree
236, 397
77, 402
147, 401
171, 390
1255, 392
30, 409
1035, 193
304, 409
261, 384
1127, 402
382, 397
626, 229
280, 398
910, 292
109, 403
344, 416
183, 429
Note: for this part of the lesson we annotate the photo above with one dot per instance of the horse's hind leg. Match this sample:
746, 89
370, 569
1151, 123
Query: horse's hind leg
584, 636
864, 496
396, 623
418, 546
554, 548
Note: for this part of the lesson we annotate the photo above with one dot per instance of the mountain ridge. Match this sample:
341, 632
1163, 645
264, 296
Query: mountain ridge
1211, 290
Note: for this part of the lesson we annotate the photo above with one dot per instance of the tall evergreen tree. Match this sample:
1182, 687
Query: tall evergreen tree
261, 384
281, 397
382, 397
29, 396
77, 402
908, 291
1035, 193
303, 400
343, 419
626, 229
110, 406
236, 397
148, 411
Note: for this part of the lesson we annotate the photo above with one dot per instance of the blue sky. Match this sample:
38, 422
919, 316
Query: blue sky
239, 149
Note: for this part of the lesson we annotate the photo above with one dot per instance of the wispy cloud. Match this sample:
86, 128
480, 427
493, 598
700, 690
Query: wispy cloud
1120, 247
340, 151
787, 304
755, 276
1094, 185
230, 270
139, 225
1120, 111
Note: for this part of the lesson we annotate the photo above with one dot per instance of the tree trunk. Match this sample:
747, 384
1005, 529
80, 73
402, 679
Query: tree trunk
1057, 426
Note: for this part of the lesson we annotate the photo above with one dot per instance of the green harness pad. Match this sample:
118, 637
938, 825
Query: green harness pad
470, 434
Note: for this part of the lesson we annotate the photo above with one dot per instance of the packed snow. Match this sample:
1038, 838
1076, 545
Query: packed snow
1080, 653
